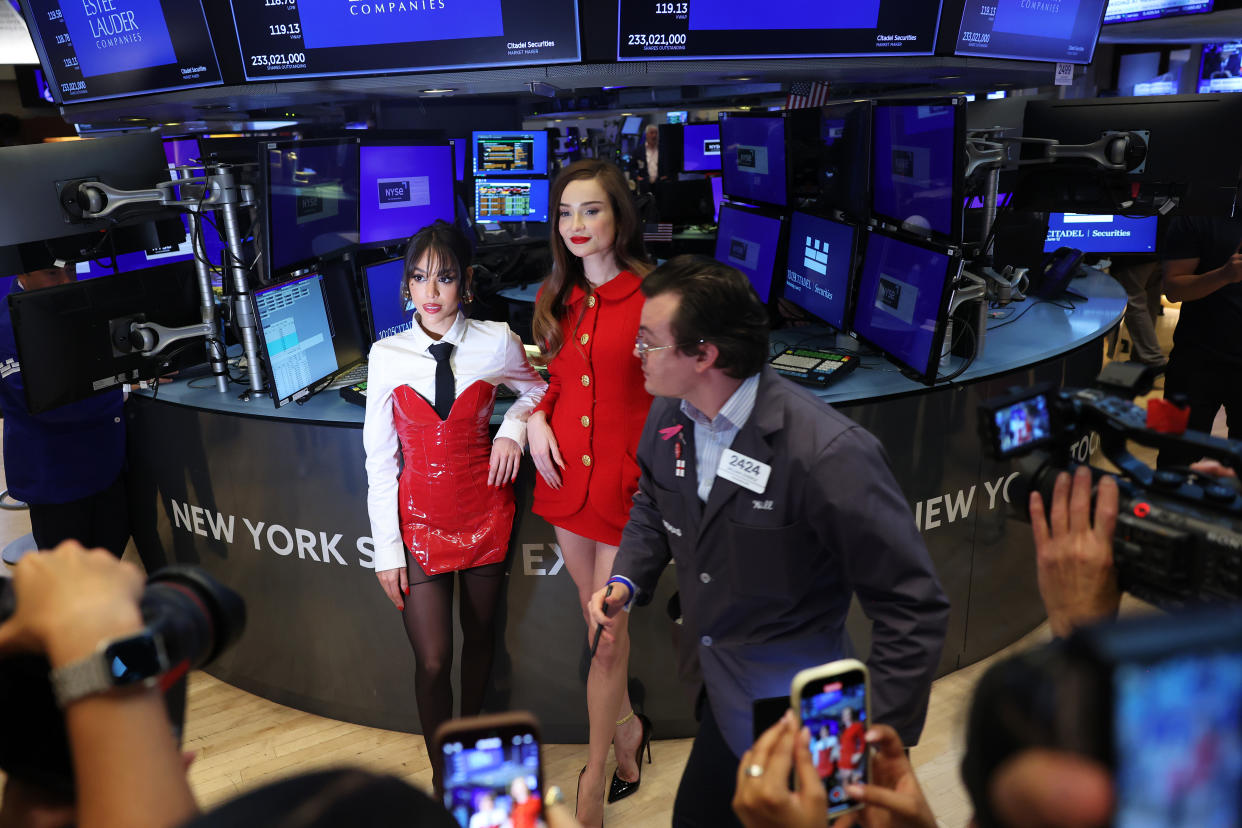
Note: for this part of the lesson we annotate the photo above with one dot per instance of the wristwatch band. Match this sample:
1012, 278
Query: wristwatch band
119, 662
82, 678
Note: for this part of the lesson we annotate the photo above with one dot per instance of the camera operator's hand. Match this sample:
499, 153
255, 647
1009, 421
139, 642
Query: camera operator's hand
894, 798
1214, 468
763, 797
1049, 789
69, 600
1074, 554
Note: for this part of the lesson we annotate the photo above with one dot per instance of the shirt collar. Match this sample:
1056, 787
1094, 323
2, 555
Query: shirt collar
455, 335
615, 289
734, 413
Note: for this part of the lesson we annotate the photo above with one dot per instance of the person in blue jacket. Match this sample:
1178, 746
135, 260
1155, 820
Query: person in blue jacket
68, 463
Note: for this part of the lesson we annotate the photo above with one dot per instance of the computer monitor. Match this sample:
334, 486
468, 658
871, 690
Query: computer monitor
310, 199
903, 300
520, 152
819, 269
1192, 155
97, 50
753, 161
845, 174
460, 153
181, 152
1126, 11
750, 241
66, 339
632, 125
386, 310
918, 165
1220, 67
296, 332
717, 184
1101, 233
510, 199
403, 189
684, 202
1023, 30
700, 147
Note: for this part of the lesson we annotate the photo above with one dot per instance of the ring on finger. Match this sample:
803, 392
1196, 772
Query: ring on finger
754, 770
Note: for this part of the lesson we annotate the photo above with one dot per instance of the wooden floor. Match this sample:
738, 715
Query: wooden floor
243, 741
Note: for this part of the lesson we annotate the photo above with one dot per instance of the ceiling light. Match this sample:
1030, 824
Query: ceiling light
436, 91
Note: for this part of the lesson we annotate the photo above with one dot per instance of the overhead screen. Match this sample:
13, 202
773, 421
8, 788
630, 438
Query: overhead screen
1221, 67
786, 28
96, 49
1125, 11
286, 39
1060, 30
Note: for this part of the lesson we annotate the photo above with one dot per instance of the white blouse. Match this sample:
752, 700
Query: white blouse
487, 351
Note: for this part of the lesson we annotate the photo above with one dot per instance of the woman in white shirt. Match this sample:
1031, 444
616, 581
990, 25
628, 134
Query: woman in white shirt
439, 493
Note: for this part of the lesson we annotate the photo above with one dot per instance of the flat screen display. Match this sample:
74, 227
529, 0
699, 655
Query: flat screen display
1125, 11
753, 160
845, 174
1062, 30
510, 199
1092, 233
785, 28
460, 153
717, 194
749, 241
819, 267
97, 49
312, 200
1221, 67
903, 293
402, 190
288, 39
510, 153
297, 335
914, 166
631, 124
387, 311
700, 147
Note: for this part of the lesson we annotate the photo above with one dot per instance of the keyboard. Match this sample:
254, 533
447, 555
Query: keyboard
350, 376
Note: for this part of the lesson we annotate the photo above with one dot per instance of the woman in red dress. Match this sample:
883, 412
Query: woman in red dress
438, 489
584, 435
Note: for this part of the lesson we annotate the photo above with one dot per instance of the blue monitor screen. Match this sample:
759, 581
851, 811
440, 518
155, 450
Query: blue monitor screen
1101, 233
749, 242
509, 199
383, 285
819, 267
403, 189
297, 335
510, 153
460, 152
754, 159
913, 165
1064, 30
1221, 67
902, 290
312, 200
98, 49
1124, 11
717, 195
701, 147
181, 152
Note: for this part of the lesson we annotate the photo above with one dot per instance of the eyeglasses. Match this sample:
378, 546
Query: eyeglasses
642, 348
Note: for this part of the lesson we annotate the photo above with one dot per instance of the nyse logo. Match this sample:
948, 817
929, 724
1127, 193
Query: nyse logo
737, 249
393, 192
890, 293
309, 205
711, 146
746, 158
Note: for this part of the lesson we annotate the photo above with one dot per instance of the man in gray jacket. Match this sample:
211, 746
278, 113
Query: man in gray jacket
776, 509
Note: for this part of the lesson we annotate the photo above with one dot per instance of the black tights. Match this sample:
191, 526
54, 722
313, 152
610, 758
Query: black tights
428, 618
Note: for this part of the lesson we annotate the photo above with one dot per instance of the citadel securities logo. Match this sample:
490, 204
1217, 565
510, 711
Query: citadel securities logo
118, 35
328, 24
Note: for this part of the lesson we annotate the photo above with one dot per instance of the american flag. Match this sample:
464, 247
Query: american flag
803, 94
658, 232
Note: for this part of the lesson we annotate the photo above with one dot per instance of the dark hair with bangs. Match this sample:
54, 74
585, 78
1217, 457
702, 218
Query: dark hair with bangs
445, 243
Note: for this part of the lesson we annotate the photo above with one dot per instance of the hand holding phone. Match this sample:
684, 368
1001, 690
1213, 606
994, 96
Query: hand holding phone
834, 704
491, 770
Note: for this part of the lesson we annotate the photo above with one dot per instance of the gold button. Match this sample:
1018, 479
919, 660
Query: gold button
585, 380
586, 421
586, 459
584, 338
590, 301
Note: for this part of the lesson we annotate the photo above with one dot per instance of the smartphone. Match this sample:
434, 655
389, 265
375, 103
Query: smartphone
491, 770
834, 703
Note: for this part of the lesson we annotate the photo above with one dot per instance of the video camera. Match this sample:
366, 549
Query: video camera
1178, 539
193, 617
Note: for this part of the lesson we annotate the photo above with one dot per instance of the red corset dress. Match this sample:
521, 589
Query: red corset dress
450, 518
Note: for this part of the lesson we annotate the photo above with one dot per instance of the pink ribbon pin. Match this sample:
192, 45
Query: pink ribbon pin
670, 432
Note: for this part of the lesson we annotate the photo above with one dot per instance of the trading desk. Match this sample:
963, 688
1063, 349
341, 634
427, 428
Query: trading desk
273, 502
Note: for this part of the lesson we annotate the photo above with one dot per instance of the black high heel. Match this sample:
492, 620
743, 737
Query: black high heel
620, 788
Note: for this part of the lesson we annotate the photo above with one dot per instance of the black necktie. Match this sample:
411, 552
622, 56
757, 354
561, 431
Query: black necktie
446, 386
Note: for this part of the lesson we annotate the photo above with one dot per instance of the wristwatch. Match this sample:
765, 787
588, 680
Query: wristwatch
118, 662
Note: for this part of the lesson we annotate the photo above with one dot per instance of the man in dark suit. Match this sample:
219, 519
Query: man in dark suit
776, 509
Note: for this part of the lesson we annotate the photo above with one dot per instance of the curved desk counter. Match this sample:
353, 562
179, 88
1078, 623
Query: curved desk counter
273, 502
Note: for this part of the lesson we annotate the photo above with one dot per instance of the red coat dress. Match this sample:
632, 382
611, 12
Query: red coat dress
596, 406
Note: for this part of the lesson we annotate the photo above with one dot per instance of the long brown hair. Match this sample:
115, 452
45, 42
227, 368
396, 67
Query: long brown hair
567, 271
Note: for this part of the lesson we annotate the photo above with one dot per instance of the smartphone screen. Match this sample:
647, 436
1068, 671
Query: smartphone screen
493, 778
835, 711
1177, 734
